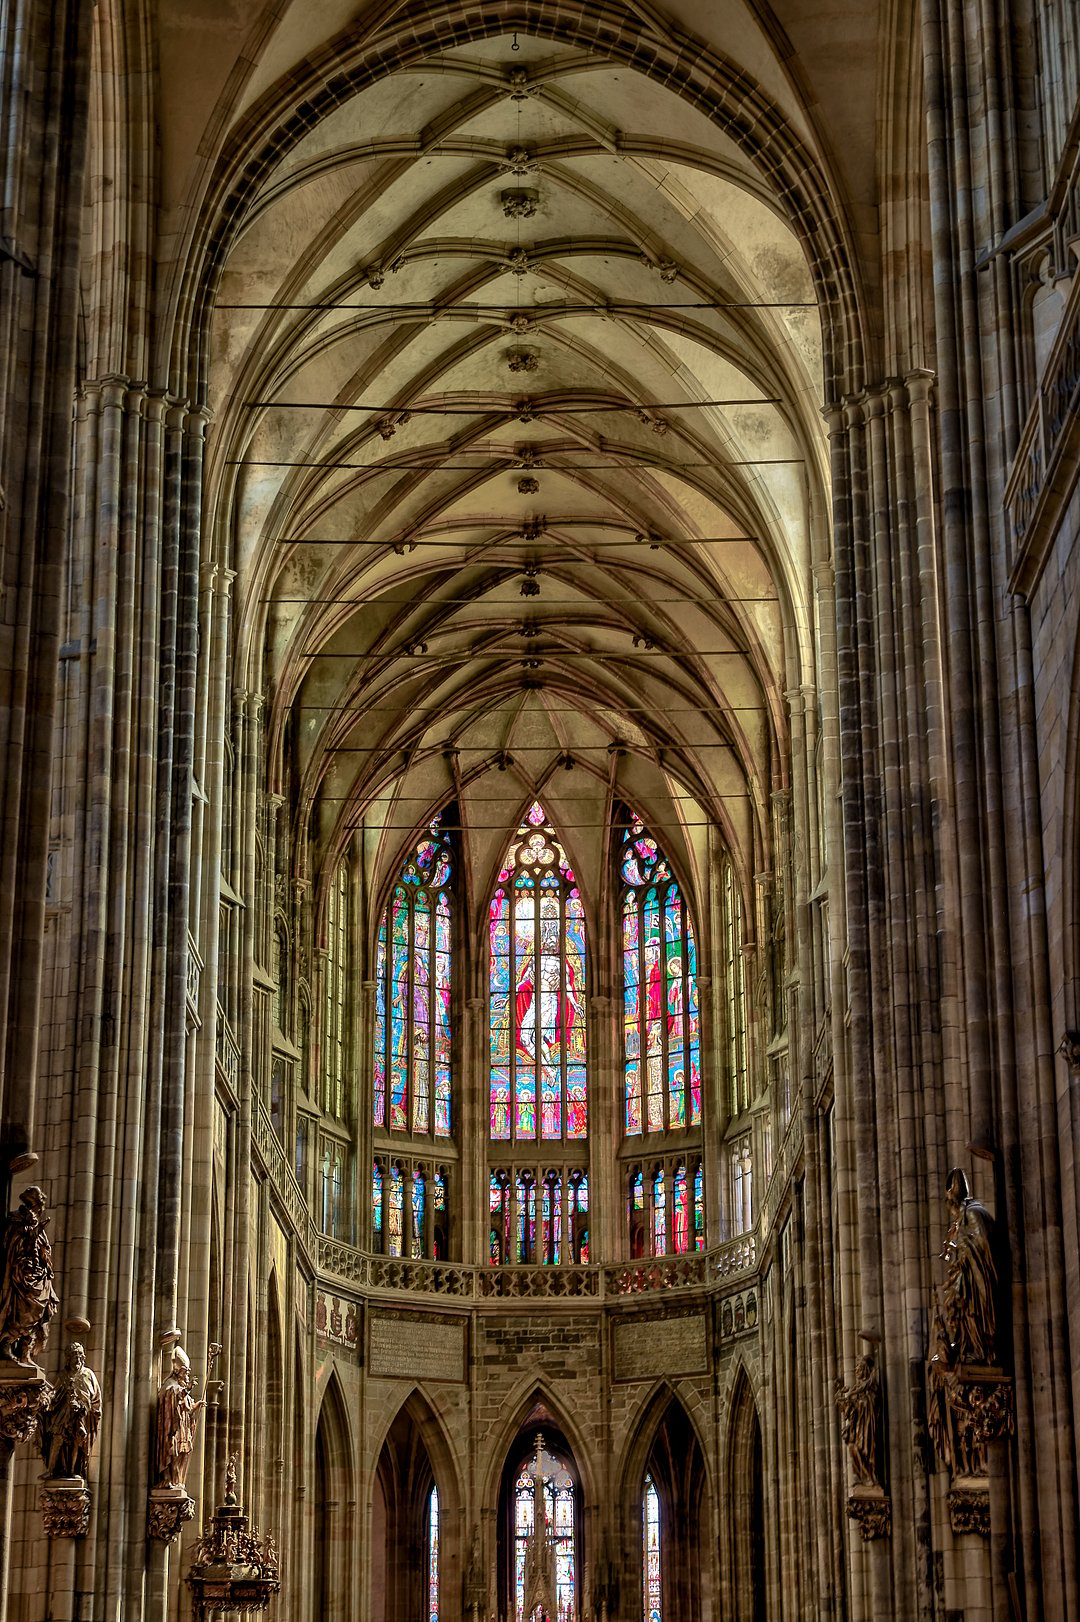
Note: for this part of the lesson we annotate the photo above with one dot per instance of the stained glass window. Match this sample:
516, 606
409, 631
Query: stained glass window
659, 1214
439, 1228
650, 1524
337, 937
661, 1020
419, 1190
699, 1209
376, 1206
395, 1216
537, 958
550, 1482
500, 1217
681, 1212
734, 978
412, 1077
433, 1556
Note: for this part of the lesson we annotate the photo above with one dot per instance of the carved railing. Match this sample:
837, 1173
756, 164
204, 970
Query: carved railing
194, 975
278, 1169
451, 1280
227, 1050
1046, 458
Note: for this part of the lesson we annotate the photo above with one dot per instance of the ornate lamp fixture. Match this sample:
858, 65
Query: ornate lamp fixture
232, 1570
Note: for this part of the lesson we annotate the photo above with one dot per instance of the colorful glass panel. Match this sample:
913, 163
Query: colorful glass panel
650, 1522
538, 1060
680, 1211
396, 1213
413, 968
433, 1556
558, 1500
416, 1237
661, 1022
376, 1205
659, 1215
699, 1209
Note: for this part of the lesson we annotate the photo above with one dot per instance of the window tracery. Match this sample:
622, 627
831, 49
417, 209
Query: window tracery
661, 1021
538, 1086
538, 1215
547, 1479
735, 982
666, 1206
412, 1079
433, 1556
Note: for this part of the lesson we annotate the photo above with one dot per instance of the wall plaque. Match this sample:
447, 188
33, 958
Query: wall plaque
650, 1348
404, 1346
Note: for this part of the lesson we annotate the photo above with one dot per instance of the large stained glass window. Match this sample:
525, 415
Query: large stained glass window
650, 1526
545, 1480
661, 1022
537, 940
433, 1556
412, 1080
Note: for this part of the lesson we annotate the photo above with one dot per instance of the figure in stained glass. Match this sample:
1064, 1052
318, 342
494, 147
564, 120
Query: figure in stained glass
538, 1080
413, 1024
661, 1035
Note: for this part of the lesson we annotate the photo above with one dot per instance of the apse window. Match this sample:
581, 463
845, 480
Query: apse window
412, 1065
661, 1020
538, 1079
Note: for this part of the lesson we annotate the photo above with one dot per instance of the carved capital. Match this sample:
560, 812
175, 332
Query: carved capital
65, 1507
969, 1506
873, 1511
167, 1511
984, 1394
23, 1390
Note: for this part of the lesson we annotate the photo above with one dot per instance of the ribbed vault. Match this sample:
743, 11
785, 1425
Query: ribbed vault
516, 373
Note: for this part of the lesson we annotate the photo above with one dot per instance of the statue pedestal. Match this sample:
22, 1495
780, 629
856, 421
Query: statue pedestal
168, 1510
870, 1506
22, 1388
984, 1393
65, 1506
969, 1505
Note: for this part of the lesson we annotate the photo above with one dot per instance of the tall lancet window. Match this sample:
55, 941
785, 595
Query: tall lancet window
650, 1539
412, 1077
433, 1556
537, 944
661, 1024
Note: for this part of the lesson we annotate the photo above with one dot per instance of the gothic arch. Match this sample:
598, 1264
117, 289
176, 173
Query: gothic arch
519, 1406
334, 1565
414, 1453
273, 1485
743, 1541
666, 1445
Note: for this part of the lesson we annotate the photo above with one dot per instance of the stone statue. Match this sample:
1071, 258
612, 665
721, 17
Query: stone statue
948, 1424
69, 1426
27, 1298
967, 1297
860, 1406
177, 1421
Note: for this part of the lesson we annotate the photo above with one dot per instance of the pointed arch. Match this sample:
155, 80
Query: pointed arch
665, 1447
412, 1456
273, 1482
744, 1543
334, 1564
530, 1396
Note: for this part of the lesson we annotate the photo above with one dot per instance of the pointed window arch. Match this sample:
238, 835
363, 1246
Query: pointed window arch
412, 1079
539, 1087
650, 1539
661, 1022
544, 1478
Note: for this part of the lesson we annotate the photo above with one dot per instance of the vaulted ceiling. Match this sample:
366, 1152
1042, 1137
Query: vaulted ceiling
516, 381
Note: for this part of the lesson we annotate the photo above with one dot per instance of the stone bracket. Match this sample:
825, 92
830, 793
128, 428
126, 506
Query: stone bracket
168, 1510
871, 1507
65, 1507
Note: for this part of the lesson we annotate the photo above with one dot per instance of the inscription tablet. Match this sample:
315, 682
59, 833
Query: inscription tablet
659, 1346
405, 1347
